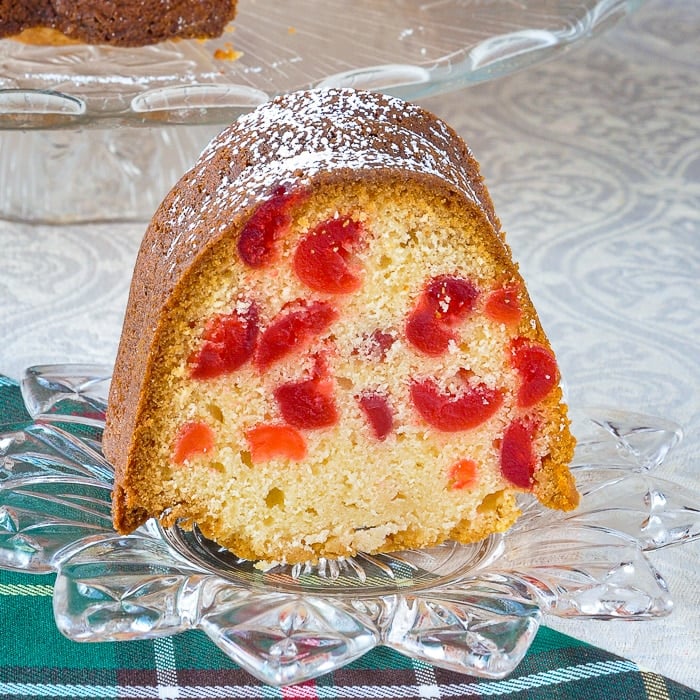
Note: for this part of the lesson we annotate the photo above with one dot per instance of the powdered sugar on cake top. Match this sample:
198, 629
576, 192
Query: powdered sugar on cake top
288, 141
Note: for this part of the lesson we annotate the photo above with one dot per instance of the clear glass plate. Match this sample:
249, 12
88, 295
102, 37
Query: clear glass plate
406, 47
472, 609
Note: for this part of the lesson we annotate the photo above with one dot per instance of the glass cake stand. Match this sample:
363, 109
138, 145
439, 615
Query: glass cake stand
472, 609
64, 161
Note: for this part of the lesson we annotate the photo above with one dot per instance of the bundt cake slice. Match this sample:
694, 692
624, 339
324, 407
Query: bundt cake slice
327, 347
119, 23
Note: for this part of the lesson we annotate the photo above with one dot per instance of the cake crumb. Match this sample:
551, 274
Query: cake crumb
227, 53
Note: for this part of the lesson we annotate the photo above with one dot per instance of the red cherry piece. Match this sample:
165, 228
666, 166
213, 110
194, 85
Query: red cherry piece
323, 258
451, 298
270, 441
518, 459
292, 330
426, 334
502, 305
269, 222
445, 302
228, 343
193, 438
463, 474
380, 343
308, 404
537, 369
454, 412
378, 413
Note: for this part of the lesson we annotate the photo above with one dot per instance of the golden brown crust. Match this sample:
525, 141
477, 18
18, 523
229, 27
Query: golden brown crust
44, 36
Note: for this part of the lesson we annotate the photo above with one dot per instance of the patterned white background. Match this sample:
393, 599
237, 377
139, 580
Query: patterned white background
593, 162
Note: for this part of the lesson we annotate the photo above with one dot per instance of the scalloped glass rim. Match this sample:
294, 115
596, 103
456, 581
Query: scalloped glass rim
472, 609
409, 49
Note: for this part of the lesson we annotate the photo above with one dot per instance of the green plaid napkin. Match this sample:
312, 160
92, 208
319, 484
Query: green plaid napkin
37, 662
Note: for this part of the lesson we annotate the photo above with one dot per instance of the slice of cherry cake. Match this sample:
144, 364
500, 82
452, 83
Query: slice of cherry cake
327, 347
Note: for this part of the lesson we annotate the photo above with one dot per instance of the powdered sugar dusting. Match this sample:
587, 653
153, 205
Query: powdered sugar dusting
295, 137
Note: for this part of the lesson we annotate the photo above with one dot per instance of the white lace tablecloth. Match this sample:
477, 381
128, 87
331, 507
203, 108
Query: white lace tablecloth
593, 162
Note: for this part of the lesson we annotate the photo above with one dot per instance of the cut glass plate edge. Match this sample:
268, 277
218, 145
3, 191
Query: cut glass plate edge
472, 611
185, 84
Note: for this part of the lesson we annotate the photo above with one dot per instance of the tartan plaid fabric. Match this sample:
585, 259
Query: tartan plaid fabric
37, 662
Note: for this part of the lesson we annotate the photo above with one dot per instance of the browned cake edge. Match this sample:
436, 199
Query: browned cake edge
86, 22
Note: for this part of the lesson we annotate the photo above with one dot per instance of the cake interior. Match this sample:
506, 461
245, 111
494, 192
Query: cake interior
350, 485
